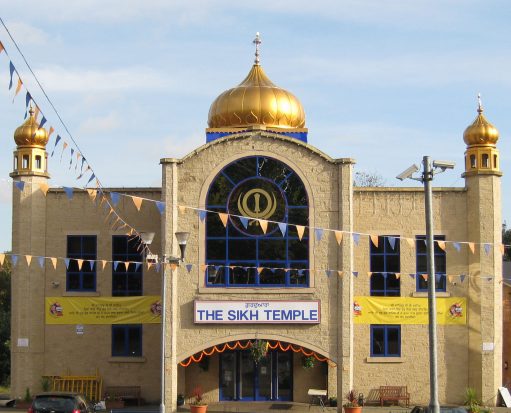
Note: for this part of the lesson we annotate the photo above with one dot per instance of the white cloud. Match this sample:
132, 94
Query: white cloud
99, 124
27, 34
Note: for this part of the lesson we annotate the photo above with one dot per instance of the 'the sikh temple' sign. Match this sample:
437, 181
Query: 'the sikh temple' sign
254, 312
103, 310
408, 310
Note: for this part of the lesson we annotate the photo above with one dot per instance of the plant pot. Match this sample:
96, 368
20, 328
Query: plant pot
198, 409
114, 404
357, 409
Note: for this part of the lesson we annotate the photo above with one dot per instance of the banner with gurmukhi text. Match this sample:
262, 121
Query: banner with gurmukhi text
103, 310
408, 310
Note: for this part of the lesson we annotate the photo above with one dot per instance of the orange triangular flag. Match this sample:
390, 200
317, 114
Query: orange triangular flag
92, 193
502, 249
472, 247
223, 217
149, 265
425, 276
264, 225
441, 245
173, 266
36, 112
450, 278
137, 201
64, 146
203, 267
374, 240
103, 264
2, 259
52, 129
54, 262
398, 276
29, 259
300, 229
80, 263
369, 273
232, 267
44, 187
18, 88
340, 273
410, 242
338, 237
259, 270
181, 208
2, 48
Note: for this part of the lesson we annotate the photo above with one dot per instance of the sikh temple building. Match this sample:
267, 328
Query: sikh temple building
292, 279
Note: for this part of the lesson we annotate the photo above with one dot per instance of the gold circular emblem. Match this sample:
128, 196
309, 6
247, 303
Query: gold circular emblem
256, 212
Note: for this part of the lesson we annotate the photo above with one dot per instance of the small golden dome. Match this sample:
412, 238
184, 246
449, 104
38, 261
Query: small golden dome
30, 134
256, 101
481, 132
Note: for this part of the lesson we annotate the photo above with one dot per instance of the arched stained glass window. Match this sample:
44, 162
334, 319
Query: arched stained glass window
241, 254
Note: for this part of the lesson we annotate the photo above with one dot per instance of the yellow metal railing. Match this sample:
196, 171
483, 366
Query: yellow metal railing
89, 386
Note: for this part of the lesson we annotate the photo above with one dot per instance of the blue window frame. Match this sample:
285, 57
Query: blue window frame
127, 279
127, 340
385, 340
422, 264
384, 264
240, 254
82, 247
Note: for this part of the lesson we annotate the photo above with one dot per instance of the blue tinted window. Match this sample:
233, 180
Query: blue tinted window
81, 247
422, 264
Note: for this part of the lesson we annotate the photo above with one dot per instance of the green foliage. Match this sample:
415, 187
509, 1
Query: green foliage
472, 401
308, 362
351, 399
259, 350
5, 323
28, 396
45, 383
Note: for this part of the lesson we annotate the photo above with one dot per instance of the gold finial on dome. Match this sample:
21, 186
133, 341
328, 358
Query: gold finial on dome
481, 132
30, 134
256, 101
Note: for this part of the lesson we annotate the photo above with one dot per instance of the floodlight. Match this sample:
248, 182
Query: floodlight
408, 172
443, 165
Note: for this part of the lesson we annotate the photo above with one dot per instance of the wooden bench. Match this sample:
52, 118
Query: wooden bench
394, 393
123, 393
317, 395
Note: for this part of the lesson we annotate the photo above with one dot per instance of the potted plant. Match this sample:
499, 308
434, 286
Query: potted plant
332, 401
26, 402
351, 405
472, 402
197, 402
258, 350
113, 402
180, 399
307, 362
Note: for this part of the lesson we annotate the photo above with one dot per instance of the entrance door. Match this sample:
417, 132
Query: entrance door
242, 379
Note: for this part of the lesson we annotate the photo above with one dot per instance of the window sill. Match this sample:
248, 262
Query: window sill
127, 360
422, 294
80, 294
255, 290
385, 360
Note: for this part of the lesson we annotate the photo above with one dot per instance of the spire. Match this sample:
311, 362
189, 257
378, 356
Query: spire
479, 104
257, 41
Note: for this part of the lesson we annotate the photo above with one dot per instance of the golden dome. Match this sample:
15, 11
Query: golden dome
256, 101
481, 132
30, 134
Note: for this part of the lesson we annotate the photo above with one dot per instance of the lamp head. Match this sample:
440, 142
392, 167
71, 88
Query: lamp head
407, 173
147, 237
182, 238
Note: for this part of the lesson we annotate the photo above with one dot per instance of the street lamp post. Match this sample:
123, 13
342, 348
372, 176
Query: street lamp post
426, 178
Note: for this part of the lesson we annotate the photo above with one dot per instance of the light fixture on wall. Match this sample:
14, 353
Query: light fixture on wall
55, 284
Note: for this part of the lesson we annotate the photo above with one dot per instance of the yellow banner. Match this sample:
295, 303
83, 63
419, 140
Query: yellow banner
103, 310
408, 310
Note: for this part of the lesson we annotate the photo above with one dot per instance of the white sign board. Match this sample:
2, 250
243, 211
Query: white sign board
22, 342
504, 392
257, 312
488, 346
79, 329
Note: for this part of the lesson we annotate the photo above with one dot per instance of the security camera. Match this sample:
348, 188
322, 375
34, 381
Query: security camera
443, 165
55, 284
408, 172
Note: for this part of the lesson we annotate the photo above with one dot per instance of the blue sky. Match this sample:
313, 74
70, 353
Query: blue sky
384, 82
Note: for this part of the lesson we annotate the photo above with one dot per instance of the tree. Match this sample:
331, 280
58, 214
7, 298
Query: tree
5, 323
368, 179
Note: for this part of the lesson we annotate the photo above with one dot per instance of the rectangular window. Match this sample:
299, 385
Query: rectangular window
385, 340
384, 264
422, 263
81, 247
127, 340
126, 266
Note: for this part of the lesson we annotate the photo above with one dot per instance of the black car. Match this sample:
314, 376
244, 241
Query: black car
60, 402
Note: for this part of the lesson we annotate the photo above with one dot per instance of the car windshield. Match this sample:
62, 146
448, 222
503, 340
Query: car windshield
56, 404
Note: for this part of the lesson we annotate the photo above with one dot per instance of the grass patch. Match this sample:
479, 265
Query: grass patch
5, 389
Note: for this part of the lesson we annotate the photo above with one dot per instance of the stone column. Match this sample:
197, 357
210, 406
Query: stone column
345, 283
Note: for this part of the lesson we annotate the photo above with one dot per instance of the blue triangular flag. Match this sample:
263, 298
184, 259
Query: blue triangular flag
356, 238
57, 140
283, 228
188, 267
438, 277
457, 246
244, 222
412, 275
14, 259
137, 266
161, 206
217, 268
90, 179
355, 273
66, 261
115, 198
462, 277
20, 185
487, 248
69, 191
41, 261
28, 98
116, 263
392, 242
11, 70
328, 273
158, 267
300, 272
319, 234
384, 275
202, 215
43, 121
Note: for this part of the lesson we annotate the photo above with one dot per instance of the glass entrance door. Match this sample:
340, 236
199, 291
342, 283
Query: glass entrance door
241, 379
